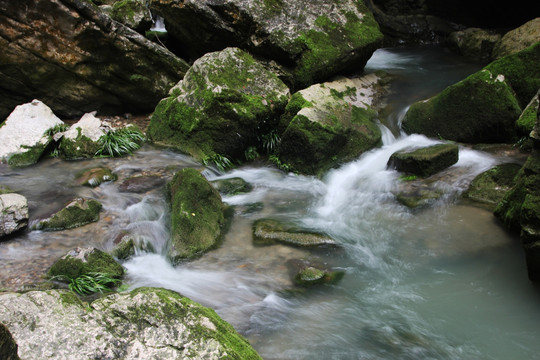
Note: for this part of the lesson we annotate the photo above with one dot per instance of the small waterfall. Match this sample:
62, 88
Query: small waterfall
159, 24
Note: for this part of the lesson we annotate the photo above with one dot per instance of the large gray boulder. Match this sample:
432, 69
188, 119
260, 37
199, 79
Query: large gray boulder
146, 323
13, 213
314, 38
23, 137
75, 58
226, 102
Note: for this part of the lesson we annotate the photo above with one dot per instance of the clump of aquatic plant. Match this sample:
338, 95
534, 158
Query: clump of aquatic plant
270, 141
251, 153
120, 142
221, 162
89, 283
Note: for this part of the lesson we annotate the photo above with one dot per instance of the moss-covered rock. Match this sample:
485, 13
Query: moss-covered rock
77, 212
525, 122
418, 197
223, 106
426, 161
8, 346
125, 248
328, 124
232, 186
270, 231
81, 140
491, 186
310, 275
95, 176
82, 261
197, 215
133, 14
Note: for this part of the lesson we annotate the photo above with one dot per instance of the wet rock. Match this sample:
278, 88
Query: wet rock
23, 136
418, 196
426, 161
224, 104
328, 124
269, 231
485, 106
311, 276
232, 186
95, 176
132, 13
518, 39
316, 39
77, 212
525, 122
197, 215
75, 58
474, 43
13, 213
141, 183
491, 186
146, 323
8, 346
82, 261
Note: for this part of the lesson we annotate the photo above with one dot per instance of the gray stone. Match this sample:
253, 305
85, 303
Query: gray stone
13, 213
518, 39
270, 231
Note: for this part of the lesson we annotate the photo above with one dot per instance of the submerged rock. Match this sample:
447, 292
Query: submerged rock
146, 323
197, 215
95, 176
328, 124
82, 261
491, 186
315, 38
518, 39
76, 59
306, 273
77, 212
418, 196
232, 186
141, 183
426, 161
13, 213
23, 136
226, 101
269, 231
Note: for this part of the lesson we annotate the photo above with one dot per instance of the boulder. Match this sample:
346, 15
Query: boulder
13, 213
525, 122
132, 13
76, 59
124, 247
328, 124
8, 346
146, 323
197, 215
426, 161
308, 273
95, 176
474, 43
270, 231
81, 140
232, 186
141, 183
315, 39
226, 102
77, 212
518, 39
491, 186
82, 261
23, 136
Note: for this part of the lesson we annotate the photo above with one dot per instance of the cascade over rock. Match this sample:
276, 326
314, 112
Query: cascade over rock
146, 323
314, 38
75, 58
224, 104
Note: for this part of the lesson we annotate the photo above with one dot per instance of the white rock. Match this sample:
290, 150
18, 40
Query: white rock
25, 127
13, 213
89, 125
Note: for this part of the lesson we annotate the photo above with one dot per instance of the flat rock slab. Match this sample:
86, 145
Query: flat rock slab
268, 231
426, 161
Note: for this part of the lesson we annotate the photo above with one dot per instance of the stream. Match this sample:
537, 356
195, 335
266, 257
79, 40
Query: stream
442, 282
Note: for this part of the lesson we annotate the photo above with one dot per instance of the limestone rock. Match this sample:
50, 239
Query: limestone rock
197, 215
315, 39
146, 323
95, 176
224, 104
269, 231
13, 213
23, 137
76, 59
77, 212
491, 186
426, 161
81, 261
328, 124
518, 39
474, 43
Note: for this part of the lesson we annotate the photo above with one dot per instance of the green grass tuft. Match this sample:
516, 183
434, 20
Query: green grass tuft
120, 142
89, 283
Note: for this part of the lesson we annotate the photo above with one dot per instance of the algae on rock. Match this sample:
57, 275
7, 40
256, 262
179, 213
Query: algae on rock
78, 212
83, 261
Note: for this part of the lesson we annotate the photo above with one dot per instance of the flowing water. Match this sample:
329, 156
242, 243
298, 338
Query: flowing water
443, 282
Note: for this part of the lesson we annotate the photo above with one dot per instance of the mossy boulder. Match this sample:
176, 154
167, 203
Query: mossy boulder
518, 39
310, 275
525, 122
125, 248
232, 186
82, 261
146, 323
81, 140
491, 186
313, 39
197, 215
328, 124
270, 231
77, 212
226, 102
95, 176
426, 161
8, 346
132, 13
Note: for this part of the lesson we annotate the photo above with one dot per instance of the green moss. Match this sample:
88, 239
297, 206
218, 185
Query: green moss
491, 186
97, 261
27, 158
426, 161
125, 9
232, 186
527, 119
77, 213
80, 148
